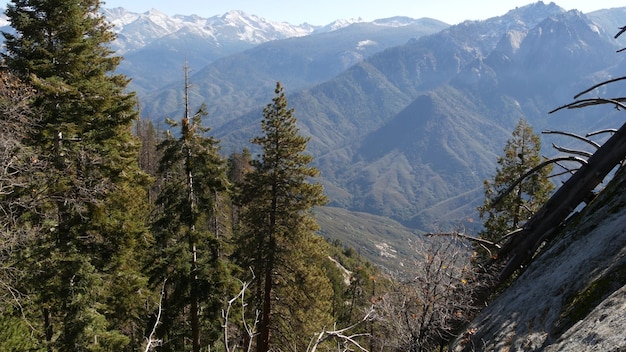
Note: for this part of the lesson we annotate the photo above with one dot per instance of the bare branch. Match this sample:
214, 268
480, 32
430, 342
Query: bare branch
572, 151
608, 130
422, 313
569, 134
341, 334
600, 84
150, 342
566, 171
250, 328
533, 170
466, 237
589, 102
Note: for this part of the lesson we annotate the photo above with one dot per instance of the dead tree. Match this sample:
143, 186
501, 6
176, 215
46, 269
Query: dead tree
519, 249
522, 245
421, 314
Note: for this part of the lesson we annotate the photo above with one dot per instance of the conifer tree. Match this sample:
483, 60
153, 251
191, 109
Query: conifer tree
83, 277
238, 166
278, 238
521, 154
191, 173
148, 154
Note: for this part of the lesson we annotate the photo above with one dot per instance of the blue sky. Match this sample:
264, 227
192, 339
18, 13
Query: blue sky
321, 12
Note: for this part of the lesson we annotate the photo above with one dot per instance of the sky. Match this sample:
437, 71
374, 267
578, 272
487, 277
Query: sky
322, 12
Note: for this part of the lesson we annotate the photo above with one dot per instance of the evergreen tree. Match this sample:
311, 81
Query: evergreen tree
521, 154
187, 251
239, 164
148, 154
84, 277
278, 238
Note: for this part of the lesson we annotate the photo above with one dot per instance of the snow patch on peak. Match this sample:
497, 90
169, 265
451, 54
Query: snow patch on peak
138, 30
341, 23
155, 12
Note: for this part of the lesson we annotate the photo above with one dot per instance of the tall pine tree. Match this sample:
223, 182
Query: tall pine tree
521, 154
83, 279
191, 173
278, 238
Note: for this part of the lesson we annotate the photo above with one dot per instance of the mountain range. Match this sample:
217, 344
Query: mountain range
406, 116
155, 45
411, 131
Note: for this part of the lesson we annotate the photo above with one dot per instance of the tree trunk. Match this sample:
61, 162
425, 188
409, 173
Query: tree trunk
47, 324
263, 342
195, 321
574, 191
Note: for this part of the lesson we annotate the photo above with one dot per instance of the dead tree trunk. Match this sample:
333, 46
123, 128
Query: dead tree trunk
520, 249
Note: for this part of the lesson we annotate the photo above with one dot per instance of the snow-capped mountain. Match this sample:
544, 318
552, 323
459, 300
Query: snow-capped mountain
156, 45
136, 30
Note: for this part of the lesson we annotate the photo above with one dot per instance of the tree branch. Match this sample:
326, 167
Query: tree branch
340, 334
533, 170
569, 134
150, 341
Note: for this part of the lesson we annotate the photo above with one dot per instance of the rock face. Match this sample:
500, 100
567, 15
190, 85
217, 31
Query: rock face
572, 297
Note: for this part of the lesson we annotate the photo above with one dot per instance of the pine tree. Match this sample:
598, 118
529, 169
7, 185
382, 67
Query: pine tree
191, 174
84, 276
278, 234
521, 154
148, 154
238, 165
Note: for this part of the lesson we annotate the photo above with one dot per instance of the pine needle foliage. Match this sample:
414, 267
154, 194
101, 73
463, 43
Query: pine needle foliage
521, 154
186, 256
83, 269
278, 240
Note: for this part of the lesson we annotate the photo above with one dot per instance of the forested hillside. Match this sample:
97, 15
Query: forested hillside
192, 232
111, 244
411, 132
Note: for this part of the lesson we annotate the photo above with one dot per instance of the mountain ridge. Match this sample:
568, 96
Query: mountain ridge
466, 68
354, 94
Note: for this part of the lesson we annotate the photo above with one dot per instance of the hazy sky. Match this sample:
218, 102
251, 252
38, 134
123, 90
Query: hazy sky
320, 12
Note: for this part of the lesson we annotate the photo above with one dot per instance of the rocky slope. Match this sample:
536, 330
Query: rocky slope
572, 297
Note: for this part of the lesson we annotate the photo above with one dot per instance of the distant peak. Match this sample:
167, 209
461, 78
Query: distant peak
537, 8
340, 23
236, 14
155, 12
